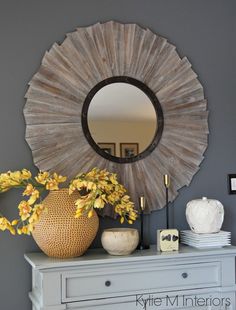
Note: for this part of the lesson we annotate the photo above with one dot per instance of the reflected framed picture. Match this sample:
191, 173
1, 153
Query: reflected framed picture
128, 150
109, 148
232, 183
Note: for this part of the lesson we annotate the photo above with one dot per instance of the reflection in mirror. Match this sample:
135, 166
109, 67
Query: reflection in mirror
122, 120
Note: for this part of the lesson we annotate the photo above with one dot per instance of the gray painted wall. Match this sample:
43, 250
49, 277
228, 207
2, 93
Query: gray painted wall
203, 30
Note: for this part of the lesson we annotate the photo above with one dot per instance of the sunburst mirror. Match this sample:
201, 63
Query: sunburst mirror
119, 97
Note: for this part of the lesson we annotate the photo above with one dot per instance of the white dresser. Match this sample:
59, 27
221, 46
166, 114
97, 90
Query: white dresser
188, 279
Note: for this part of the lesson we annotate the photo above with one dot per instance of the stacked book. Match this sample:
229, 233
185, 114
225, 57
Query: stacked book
203, 241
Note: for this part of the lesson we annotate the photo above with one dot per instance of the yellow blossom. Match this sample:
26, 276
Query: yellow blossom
29, 190
113, 179
59, 178
4, 223
81, 184
90, 214
4, 177
4, 182
42, 177
99, 203
25, 230
4, 189
24, 210
34, 196
78, 213
38, 209
15, 177
14, 222
26, 174
80, 203
12, 230
52, 185
71, 189
30, 228
91, 186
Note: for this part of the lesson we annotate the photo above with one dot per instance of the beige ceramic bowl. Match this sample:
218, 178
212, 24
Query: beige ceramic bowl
120, 241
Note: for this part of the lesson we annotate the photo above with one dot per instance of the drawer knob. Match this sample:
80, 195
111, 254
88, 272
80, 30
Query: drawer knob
108, 283
184, 275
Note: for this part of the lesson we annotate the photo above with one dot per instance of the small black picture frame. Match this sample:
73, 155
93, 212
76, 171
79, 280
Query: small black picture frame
129, 150
232, 184
108, 147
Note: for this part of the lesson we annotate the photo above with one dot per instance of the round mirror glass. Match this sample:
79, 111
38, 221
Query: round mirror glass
122, 121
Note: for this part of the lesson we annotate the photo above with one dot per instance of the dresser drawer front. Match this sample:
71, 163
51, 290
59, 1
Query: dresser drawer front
113, 283
178, 301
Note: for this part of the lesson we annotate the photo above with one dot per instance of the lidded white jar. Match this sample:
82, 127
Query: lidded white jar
205, 216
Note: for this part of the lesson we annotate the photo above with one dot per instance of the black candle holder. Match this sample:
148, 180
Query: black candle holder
167, 185
142, 245
167, 239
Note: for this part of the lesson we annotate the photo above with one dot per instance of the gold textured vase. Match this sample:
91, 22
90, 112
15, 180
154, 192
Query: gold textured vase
58, 233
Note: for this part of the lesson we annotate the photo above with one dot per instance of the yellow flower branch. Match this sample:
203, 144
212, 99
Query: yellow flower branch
29, 209
96, 188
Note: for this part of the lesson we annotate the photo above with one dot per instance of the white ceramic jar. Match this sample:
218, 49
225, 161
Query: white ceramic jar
205, 216
120, 241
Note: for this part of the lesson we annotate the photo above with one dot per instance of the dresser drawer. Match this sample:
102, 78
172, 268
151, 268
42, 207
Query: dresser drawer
166, 301
114, 282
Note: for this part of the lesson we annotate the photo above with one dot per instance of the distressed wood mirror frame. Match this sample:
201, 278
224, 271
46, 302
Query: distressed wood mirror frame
87, 57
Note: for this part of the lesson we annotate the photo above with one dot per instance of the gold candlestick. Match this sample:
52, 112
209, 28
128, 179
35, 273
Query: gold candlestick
142, 205
142, 202
166, 180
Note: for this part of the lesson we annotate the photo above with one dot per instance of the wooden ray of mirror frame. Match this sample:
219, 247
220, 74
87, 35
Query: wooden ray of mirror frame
87, 57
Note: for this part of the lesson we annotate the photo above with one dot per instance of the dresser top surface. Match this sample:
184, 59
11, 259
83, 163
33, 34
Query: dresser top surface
39, 260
